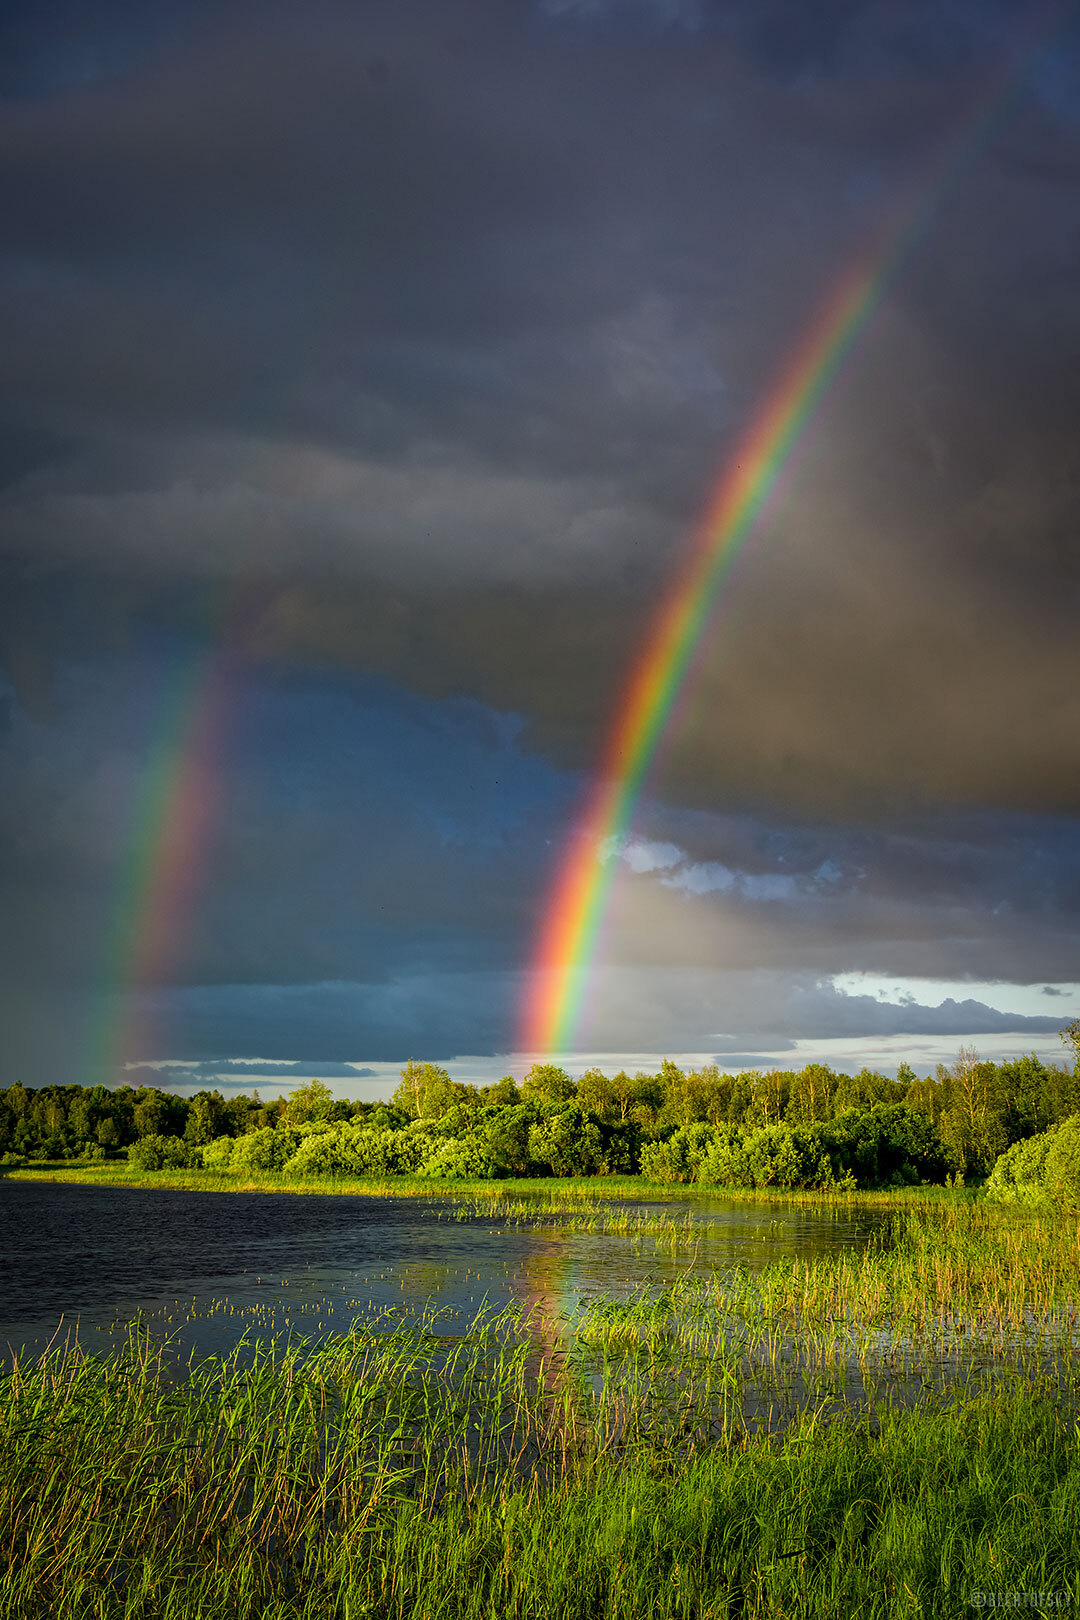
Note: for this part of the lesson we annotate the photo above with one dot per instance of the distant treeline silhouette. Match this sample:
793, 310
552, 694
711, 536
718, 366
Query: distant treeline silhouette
811, 1127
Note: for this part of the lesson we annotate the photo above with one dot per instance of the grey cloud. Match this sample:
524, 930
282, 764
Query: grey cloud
270, 1069
690, 1008
434, 516
433, 326
948, 897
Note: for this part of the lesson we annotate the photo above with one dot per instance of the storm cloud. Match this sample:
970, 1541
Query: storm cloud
423, 332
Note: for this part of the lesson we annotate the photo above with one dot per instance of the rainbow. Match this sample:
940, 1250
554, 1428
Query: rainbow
166, 847
570, 927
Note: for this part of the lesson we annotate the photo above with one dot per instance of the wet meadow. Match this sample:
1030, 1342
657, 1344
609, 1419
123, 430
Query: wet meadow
724, 1412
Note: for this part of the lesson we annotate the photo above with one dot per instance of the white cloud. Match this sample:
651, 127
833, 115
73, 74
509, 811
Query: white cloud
767, 886
1023, 1000
640, 856
703, 877
713, 877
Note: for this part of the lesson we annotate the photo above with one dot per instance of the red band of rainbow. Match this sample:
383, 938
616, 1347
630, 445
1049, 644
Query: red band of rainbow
568, 936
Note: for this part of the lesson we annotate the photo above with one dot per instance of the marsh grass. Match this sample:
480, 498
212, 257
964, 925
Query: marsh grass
553, 1193
878, 1433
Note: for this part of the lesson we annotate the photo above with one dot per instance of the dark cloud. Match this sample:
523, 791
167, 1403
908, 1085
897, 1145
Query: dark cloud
454, 348
428, 329
229, 1075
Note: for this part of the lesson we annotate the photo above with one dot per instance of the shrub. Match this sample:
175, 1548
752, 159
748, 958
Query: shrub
505, 1131
622, 1143
320, 1153
566, 1143
164, 1153
772, 1156
726, 1164
888, 1145
1044, 1169
779, 1156
679, 1157
1063, 1165
217, 1155
264, 1149
463, 1158
361, 1150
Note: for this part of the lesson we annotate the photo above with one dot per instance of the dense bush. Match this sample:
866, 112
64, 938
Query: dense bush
461, 1158
217, 1155
264, 1149
678, 1156
887, 1145
164, 1153
566, 1142
1044, 1169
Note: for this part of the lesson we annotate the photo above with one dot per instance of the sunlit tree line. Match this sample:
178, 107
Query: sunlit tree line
811, 1127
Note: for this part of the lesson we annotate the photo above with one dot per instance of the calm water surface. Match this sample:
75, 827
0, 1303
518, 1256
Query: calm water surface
209, 1266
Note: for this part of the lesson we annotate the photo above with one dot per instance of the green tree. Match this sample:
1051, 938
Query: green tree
1026, 1096
686, 1094
546, 1082
503, 1094
567, 1142
206, 1117
505, 1132
82, 1120
240, 1114
646, 1098
971, 1124
150, 1115
425, 1091
1070, 1035
309, 1102
866, 1088
598, 1094
769, 1097
810, 1095
107, 1133
926, 1097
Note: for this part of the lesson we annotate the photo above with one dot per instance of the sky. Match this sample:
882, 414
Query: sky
367, 369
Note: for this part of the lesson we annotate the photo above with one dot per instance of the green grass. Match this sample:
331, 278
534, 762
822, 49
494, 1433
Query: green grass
728, 1446
117, 1173
556, 1192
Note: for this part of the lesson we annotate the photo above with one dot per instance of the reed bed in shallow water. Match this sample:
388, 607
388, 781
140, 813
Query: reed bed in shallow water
554, 1192
724, 1446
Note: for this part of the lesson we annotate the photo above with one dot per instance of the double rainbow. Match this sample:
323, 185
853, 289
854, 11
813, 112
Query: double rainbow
568, 936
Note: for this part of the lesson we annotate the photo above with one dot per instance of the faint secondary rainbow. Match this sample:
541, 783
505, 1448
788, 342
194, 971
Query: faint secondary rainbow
571, 923
166, 849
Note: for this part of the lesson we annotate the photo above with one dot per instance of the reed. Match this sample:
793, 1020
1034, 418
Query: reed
886, 1433
562, 1192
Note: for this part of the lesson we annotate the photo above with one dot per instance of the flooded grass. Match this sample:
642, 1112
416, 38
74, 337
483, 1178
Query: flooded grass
884, 1432
554, 1193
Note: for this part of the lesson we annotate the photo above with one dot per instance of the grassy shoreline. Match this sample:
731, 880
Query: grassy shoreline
608, 1472
568, 1188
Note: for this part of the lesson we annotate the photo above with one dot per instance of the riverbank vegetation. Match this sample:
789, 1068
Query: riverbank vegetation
808, 1129
890, 1432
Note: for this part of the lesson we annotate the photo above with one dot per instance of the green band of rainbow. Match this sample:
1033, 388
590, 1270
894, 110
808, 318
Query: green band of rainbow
568, 935
163, 863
